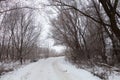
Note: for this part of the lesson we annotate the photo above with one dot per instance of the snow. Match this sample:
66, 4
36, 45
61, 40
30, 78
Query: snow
9, 65
55, 68
49, 69
12, 64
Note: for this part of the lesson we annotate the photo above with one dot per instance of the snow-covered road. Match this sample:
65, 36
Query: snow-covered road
49, 69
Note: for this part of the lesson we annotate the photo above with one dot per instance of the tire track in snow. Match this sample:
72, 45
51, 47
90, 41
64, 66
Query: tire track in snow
61, 73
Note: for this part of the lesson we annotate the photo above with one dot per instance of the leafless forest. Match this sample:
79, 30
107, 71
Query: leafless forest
89, 29
19, 34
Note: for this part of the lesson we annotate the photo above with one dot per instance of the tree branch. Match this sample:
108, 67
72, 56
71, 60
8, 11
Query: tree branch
67, 5
12, 9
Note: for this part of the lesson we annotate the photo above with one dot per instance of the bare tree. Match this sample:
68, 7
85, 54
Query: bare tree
22, 35
69, 31
102, 14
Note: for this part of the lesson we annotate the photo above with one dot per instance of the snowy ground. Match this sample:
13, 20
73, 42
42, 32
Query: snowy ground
12, 65
49, 69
